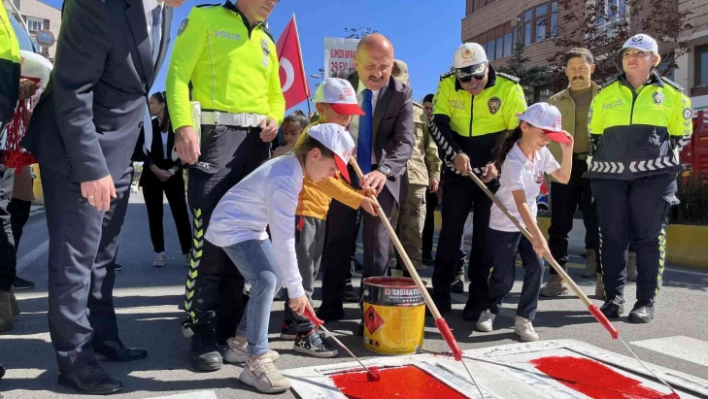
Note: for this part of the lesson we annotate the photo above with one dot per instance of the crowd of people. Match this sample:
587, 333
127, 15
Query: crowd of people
276, 210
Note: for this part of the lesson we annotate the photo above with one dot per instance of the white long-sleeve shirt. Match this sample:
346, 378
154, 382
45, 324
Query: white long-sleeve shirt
266, 197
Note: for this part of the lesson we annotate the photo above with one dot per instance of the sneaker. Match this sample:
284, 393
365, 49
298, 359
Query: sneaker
264, 376
485, 322
287, 331
556, 287
613, 308
22, 284
238, 352
314, 345
642, 312
159, 259
524, 329
350, 295
600, 288
591, 266
632, 266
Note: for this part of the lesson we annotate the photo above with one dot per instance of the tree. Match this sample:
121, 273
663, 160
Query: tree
602, 26
358, 33
530, 77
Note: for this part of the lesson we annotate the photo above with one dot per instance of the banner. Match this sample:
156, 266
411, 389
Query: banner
292, 70
338, 54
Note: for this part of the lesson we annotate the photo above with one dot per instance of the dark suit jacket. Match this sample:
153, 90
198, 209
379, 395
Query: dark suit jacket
393, 130
88, 120
155, 155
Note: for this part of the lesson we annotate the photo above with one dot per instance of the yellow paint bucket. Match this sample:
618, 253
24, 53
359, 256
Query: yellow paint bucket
394, 316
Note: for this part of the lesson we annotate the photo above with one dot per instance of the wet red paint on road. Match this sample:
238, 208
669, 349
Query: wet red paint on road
407, 382
594, 379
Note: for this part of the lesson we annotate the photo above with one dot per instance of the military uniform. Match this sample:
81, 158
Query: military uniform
234, 74
423, 166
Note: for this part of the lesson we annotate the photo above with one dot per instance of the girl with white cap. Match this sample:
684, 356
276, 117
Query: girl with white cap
524, 159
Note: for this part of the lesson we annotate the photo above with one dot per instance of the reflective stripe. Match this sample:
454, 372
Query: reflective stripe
194, 259
634, 166
226, 119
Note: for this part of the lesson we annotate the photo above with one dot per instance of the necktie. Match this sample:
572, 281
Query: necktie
363, 141
156, 35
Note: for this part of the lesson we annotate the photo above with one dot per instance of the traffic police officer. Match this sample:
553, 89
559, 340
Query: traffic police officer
230, 59
474, 107
638, 125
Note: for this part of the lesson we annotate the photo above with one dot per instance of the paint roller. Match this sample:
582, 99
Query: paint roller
592, 308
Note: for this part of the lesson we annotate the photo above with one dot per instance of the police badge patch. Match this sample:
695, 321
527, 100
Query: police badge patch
658, 97
182, 26
494, 104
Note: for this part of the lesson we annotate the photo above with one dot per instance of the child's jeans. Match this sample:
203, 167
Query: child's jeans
256, 262
501, 248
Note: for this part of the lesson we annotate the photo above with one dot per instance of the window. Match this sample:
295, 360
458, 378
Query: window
490, 50
34, 24
476, 5
540, 23
701, 66
611, 11
508, 49
497, 42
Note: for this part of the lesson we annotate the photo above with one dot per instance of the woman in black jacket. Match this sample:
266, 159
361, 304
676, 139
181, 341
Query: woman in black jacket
163, 175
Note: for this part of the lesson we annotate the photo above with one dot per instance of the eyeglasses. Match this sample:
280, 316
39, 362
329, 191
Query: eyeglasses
465, 76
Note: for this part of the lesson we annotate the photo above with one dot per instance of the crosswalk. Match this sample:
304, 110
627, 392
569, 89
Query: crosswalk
680, 347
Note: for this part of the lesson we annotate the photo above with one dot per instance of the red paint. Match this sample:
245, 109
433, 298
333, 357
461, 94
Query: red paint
595, 379
407, 382
441, 324
373, 374
392, 282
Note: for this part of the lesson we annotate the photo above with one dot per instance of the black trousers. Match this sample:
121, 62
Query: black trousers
8, 261
429, 226
634, 211
214, 294
565, 200
460, 196
173, 189
82, 249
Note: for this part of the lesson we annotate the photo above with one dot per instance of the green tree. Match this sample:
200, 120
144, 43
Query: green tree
530, 77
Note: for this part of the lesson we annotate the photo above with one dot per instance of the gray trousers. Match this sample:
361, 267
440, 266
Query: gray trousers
309, 244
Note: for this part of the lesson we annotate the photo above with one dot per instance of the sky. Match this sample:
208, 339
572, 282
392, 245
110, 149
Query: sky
424, 33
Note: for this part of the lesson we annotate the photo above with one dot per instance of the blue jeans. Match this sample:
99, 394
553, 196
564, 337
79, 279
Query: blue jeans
256, 262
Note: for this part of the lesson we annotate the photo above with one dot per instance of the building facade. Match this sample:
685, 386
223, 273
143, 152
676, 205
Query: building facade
693, 66
40, 16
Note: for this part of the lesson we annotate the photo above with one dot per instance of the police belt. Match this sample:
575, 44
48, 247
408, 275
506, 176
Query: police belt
218, 118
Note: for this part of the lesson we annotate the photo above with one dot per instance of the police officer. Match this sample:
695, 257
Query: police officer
474, 107
638, 125
229, 57
423, 172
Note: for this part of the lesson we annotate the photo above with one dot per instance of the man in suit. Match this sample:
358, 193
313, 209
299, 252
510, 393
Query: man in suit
83, 133
384, 138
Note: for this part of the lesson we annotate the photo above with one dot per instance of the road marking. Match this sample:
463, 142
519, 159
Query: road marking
191, 395
32, 255
686, 348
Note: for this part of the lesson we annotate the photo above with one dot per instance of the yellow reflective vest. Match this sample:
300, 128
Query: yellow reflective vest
637, 133
231, 66
10, 62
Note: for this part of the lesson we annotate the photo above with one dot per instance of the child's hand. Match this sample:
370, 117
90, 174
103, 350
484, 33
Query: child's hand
541, 246
370, 206
298, 305
567, 146
489, 173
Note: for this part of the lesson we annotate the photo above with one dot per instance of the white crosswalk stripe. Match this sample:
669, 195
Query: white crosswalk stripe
191, 395
686, 348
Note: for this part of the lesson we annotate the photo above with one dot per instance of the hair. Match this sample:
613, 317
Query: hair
428, 98
506, 143
161, 97
308, 144
298, 117
581, 52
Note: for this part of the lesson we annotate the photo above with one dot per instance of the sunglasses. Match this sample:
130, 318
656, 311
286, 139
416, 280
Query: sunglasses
468, 77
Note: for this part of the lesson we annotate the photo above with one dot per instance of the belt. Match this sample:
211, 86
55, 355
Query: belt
226, 119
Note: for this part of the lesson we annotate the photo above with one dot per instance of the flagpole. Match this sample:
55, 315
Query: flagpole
302, 66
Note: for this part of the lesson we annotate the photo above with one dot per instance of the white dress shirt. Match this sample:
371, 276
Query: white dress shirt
155, 39
354, 125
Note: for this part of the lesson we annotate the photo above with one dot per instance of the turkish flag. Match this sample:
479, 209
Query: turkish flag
292, 70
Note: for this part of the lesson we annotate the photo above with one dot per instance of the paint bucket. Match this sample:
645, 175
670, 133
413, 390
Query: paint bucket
394, 316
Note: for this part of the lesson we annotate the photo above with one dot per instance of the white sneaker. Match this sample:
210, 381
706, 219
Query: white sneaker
485, 322
159, 259
524, 329
238, 352
264, 376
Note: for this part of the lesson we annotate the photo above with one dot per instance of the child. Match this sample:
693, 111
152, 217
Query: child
293, 125
336, 102
524, 159
269, 197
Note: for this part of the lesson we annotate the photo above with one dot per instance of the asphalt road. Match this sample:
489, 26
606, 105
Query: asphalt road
147, 301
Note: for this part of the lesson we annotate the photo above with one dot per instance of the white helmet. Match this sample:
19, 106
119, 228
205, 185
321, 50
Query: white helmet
470, 59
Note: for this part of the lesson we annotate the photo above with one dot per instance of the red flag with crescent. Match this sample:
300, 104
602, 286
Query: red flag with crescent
292, 70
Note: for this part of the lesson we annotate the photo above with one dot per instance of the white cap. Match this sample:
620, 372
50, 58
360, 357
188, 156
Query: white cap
338, 140
547, 118
641, 42
340, 95
471, 57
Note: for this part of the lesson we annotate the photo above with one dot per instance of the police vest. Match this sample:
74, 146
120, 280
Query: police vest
232, 67
478, 121
638, 132
10, 62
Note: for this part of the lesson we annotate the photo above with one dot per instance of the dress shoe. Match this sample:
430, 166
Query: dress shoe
205, 352
330, 313
90, 379
115, 351
642, 312
613, 308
